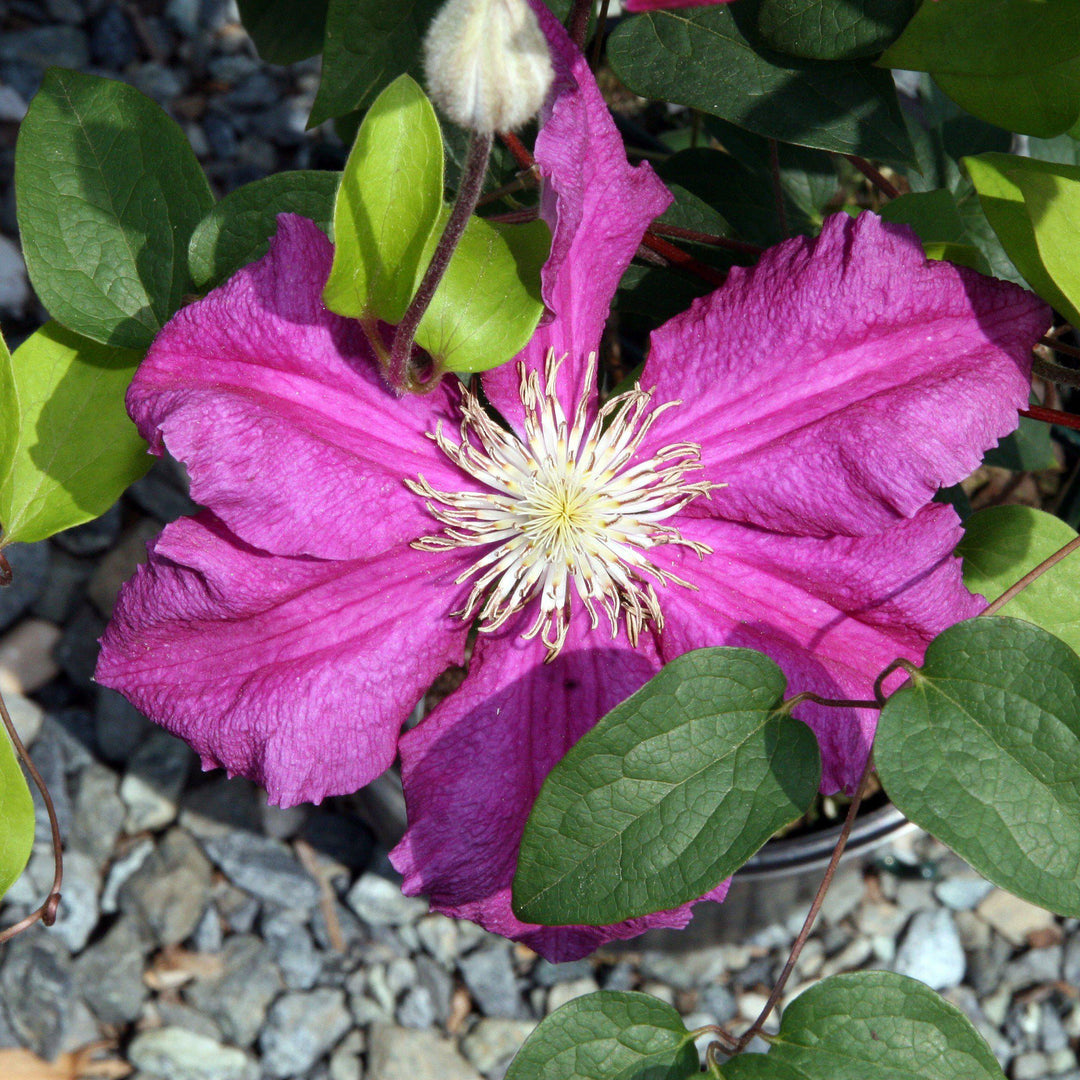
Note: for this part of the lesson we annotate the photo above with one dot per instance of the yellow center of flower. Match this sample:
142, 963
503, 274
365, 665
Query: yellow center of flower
566, 505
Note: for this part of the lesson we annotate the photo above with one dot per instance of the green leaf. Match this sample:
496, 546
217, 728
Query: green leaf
988, 37
1002, 181
874, 1025
932, 214
759, 1067
983, 751
16, 816
1044, 101
1002, 544
387, 206
832, 29
285, 31
488, 303
699, 57
1052, 201
109, 192
608, 1036
368, 44
76, 449
238, 230
9, 411
1027, 449
669, 794
1063, 149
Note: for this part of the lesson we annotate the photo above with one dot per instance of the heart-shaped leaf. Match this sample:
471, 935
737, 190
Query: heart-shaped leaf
16, 816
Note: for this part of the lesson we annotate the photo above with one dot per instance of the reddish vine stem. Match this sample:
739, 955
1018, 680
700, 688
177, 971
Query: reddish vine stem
833, 703
777, 186
677, 257
518, 149
472, 180
888, 189
578, 23
6, 575
658, 228
47, 912
1052, 416
812, 914
1032, 575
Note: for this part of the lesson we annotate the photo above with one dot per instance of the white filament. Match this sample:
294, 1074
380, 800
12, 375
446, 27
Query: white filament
565, 506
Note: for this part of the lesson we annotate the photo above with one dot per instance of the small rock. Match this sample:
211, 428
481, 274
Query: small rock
26, 715
396, 1053
264, 868
29, 565
492, 1043
112, 41
1034, 967
220, 807
65, 587
844, 894
66, 11
26, 656
719, 1003
36, 990
418, 1009
1071, 969
208, 937
439, 936
77, 651
159, 82
14, 284
343, 839
545, 973
184, 15
685, 971
561, 993
109, 974
155, 777
963, 894
177, 1014
381, 903
78, 912
1014, 919
293, 949
489, 975
931, 951
300, 1029
170, 890
43, 46
345, 1060
257, 91
851, 956
239, 996
175, 1054
160, 497
119, 728
1030, 1066
120, 564
12, 110
1052, 1034
121, 871
98, 813
433, 978
94, 536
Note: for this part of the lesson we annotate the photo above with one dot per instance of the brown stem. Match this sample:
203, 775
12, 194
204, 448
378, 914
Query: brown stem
518, 149
472, 180
812, 914
598, 40
879, 682
6, 574
1031, 576
1055, 373
1052, 416
516, 217
722, 1036
47, 912
521, 181
886, 188
1053, 343
777, 186
835, 703
658, 228
578, 23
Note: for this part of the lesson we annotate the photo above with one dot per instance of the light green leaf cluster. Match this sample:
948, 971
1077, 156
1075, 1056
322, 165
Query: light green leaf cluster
16, 816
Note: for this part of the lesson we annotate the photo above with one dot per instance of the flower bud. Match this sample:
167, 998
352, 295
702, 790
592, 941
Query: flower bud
487, 63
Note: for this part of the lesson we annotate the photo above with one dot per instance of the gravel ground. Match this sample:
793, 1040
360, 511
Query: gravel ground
212, 937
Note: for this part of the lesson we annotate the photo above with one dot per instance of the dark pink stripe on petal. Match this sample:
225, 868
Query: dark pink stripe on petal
833, 612
839, 383
296, 673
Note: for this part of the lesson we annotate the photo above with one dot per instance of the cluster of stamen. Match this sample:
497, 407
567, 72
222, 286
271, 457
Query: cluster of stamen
566, 505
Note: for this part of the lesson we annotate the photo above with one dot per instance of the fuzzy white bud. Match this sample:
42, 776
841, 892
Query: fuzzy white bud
487, 63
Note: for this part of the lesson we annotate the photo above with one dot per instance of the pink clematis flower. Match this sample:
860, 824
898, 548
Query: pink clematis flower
768, 486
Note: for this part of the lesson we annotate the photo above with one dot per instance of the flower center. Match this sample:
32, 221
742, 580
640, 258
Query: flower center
565, 506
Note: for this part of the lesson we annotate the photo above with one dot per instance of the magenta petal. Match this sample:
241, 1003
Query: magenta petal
839, 383
297, 673
281, 416
473, 768
598, 207
833, 613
